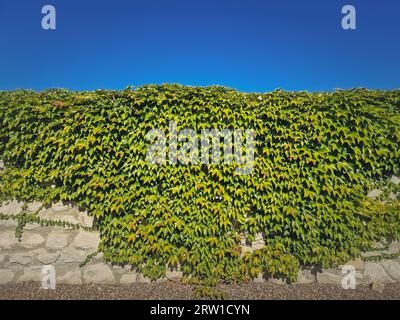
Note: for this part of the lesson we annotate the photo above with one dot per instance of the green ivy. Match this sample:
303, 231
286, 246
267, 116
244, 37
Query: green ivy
317, 156
24, 218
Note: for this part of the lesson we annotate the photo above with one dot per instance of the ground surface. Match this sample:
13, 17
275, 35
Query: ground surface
174, 290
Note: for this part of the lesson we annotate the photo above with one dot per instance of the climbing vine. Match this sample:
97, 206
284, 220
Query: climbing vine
316, 157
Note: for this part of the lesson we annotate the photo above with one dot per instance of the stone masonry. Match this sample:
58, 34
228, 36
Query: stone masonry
65, 249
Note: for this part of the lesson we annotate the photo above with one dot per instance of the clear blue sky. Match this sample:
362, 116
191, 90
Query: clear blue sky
248, 45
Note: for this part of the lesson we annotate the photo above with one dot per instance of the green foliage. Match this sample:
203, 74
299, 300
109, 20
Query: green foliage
25, 218
317, 155
88, 258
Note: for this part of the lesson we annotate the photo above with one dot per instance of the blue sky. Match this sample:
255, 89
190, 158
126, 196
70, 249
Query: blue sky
248, 45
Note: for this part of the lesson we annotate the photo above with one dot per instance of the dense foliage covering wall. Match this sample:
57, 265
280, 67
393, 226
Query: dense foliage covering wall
316, 157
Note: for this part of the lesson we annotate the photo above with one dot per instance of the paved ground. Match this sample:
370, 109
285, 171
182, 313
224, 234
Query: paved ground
174, 290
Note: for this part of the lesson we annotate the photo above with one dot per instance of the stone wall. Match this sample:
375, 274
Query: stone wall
66, 248
62, 248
